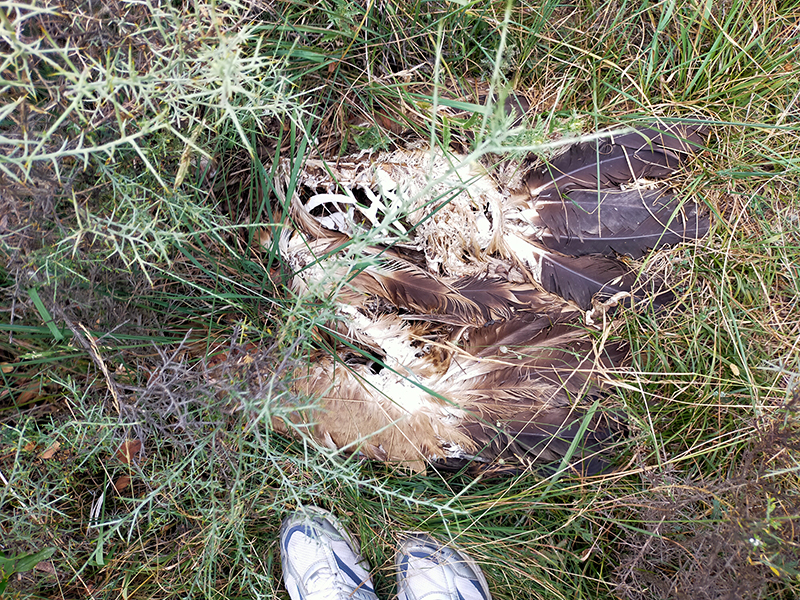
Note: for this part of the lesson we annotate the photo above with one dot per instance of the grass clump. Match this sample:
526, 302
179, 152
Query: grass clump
147, 343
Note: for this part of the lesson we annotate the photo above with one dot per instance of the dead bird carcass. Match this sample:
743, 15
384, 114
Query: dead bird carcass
458, 338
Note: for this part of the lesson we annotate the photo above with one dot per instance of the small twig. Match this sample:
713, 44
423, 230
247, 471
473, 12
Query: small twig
601, 308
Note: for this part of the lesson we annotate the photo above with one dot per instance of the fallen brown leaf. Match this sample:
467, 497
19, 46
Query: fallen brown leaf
121, 483
26, 396
51, 450
127, 450
46, 566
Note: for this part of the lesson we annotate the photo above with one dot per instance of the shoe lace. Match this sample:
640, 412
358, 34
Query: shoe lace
324, 583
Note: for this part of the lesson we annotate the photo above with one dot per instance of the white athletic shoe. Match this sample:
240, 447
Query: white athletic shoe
320, 560
428, 570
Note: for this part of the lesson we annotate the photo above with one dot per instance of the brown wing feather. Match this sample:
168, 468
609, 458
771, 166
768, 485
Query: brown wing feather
410, 288
530, 358
521, 385
615, 221
385, 275
581, 278
500, 299
520, 331
536, 439
465, 301
646, 152
597, 166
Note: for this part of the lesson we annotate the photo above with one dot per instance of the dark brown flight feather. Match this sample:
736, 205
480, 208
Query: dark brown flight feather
540, 441
617, 159
615, 221
583, 277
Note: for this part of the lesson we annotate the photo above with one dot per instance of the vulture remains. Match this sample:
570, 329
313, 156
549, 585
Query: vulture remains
456, 339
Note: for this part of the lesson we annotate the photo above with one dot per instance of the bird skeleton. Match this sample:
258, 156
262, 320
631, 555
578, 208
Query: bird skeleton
457, 302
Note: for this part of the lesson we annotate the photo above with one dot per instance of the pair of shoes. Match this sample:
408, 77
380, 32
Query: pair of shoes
322, 562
